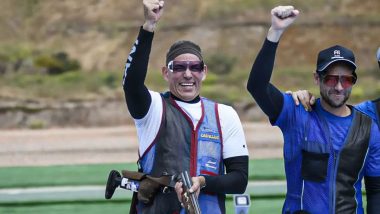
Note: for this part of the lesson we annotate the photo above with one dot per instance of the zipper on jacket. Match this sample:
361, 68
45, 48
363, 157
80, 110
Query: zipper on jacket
194, 153
303, 188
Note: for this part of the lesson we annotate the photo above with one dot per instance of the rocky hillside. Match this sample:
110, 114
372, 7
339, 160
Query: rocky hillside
99, 35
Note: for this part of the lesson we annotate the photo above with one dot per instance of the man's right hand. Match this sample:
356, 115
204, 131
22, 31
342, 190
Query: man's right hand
152, 11
282, 17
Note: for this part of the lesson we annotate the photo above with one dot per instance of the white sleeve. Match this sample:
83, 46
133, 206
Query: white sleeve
234, 143
148, 126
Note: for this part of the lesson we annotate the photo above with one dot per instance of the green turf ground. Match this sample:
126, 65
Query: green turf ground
15, 177
11, 177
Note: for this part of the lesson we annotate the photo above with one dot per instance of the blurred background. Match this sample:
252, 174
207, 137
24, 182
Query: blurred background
63, 119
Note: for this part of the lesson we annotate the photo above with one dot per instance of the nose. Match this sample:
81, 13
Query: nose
187, 73
339, 86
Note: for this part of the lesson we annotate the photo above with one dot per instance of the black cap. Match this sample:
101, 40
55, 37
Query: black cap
333, 54
183, 47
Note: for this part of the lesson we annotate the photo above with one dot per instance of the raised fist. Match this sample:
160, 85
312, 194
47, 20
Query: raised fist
153, 10
283, 16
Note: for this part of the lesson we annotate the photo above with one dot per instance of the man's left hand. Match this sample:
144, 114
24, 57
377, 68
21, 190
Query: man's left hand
198, 182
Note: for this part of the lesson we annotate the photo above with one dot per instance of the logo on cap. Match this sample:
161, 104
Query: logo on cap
336, 54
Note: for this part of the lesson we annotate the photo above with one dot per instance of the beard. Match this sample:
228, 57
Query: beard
325, 95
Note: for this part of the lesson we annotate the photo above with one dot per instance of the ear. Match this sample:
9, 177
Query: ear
316, 79
204, 73
165, 73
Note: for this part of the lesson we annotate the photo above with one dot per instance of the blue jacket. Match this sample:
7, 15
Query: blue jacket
324, 159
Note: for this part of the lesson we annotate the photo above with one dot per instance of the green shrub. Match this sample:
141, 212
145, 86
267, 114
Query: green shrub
36, 124
220, 63
211, 79
57, 63
14, 53
110, 80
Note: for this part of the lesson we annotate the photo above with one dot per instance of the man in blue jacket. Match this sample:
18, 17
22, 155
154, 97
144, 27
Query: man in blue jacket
372, 109
327, 151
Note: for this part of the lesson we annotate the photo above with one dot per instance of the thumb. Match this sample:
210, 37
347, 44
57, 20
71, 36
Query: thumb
312, 100
161, 3
295, 12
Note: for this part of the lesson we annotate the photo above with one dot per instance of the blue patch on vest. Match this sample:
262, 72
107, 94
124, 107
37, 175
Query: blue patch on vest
209, 164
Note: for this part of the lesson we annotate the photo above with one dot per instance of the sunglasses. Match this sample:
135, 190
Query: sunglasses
182, 66
345, 81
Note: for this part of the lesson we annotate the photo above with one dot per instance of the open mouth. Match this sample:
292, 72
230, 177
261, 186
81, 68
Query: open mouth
187, 84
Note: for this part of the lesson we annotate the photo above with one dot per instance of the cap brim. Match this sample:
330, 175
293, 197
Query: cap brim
322, 68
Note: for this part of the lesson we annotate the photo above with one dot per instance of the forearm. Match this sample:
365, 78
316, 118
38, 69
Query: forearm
234, 181
136, 93
274, 35
268, 97
372, 185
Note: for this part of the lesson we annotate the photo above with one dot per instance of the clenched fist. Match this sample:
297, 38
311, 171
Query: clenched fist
152, 11
282, 17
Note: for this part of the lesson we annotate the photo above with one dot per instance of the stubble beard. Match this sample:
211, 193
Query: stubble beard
330, 102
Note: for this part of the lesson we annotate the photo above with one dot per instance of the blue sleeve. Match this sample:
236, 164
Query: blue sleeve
367, 108
372, 172
287, 116
373, 159
291, 121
